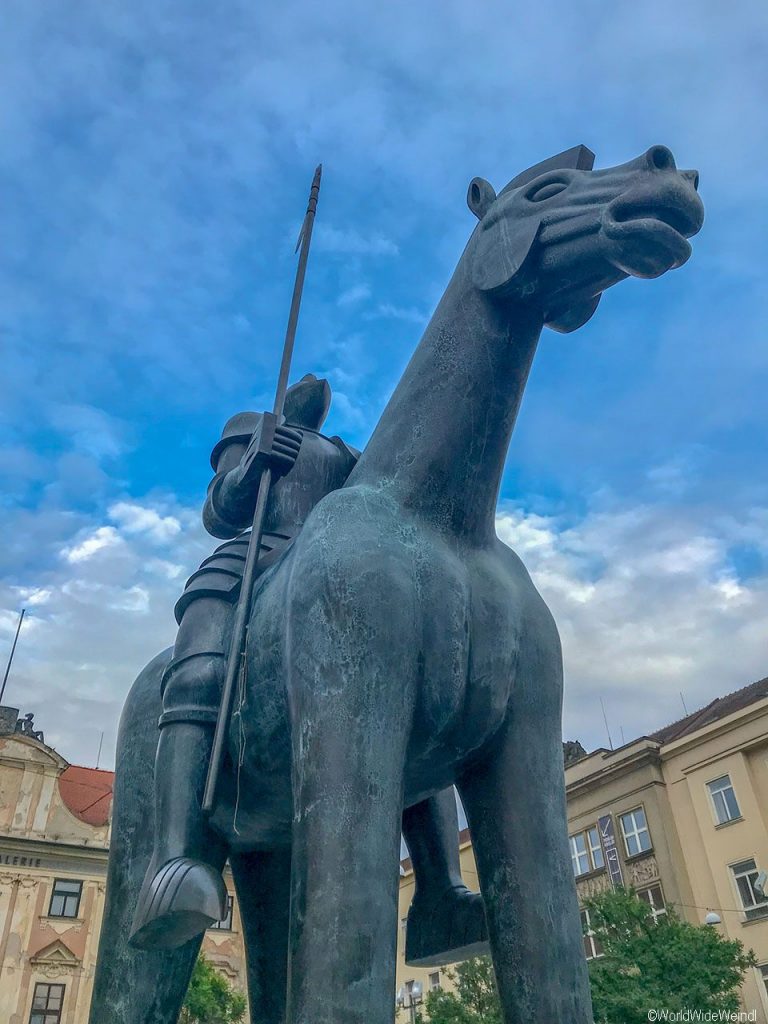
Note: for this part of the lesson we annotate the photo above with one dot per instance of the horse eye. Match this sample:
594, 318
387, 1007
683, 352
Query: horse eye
546, 191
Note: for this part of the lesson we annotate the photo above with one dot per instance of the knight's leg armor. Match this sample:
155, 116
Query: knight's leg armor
446, 921
182, 893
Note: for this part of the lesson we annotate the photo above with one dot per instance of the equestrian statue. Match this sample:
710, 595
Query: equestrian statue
395, 648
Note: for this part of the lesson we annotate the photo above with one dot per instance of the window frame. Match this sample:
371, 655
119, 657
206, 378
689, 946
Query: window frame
656, 913
759, 908
635, 831
719, 792
66, 897
434, 981
590, 941
47, 1015
588, 852
226, 923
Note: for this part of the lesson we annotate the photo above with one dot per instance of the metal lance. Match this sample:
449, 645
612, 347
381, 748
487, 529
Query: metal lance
240, 625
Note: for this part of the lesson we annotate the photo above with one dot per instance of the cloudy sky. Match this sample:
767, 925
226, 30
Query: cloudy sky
153, 169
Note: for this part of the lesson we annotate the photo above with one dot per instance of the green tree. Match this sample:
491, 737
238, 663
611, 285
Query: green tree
473, 1000
210, 998
670, 964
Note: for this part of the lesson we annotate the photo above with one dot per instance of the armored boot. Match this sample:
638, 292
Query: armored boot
183, 891
446, 921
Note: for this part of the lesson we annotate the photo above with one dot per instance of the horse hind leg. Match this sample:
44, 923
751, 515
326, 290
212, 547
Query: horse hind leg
263, 885
132, 986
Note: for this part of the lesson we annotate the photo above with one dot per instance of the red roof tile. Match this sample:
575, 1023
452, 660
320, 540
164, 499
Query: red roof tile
87, 792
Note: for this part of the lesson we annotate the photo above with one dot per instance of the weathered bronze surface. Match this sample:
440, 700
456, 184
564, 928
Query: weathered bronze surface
396, 647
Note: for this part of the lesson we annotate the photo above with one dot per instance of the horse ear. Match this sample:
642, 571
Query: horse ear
574, 317
495, 265
480, 195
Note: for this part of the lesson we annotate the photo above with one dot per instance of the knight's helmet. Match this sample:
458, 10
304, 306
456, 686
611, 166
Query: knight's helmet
307, 402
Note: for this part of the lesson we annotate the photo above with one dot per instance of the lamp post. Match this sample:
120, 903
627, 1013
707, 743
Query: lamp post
409, 997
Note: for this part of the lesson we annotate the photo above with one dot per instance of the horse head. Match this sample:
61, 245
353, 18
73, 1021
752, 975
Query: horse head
561, 233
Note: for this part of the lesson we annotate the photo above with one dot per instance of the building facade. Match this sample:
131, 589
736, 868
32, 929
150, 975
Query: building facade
54, 839
681, 816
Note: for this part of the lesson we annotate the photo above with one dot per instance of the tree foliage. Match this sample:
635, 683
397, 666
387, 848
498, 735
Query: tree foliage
210, 998
474, 998
671, 964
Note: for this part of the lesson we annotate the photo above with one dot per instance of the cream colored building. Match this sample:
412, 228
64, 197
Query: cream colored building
54, 837
681, 815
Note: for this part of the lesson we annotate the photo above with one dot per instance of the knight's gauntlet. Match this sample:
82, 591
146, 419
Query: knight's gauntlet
271, 445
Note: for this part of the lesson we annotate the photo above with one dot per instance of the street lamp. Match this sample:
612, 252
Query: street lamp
410, 997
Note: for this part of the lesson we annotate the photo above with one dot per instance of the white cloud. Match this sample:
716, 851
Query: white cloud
108, 609
133, 518
357, 293
649, 606
350, 241
102, 538
410, 314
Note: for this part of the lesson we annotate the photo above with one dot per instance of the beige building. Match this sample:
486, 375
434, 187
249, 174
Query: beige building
682, 816
54, 837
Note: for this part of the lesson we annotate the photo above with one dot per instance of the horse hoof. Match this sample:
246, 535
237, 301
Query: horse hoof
446, 930
177, 903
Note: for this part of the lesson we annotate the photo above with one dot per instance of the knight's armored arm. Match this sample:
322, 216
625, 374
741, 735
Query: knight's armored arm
350, 454
251, 441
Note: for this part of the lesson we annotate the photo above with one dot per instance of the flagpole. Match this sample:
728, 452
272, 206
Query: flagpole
240, 624
10, 659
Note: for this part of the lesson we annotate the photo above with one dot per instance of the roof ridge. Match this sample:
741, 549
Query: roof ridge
687, 722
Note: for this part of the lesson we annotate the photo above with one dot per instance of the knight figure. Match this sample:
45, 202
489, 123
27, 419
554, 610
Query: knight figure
183, 891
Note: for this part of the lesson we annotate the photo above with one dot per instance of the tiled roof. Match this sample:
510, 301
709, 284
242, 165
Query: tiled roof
87, 792
716, 709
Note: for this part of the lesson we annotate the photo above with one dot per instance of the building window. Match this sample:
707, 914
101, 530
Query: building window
763, 972
434, 981
634, 828
225, 924
744, 875
654, 897
65, 898
592, 945
586, 852
46, 1004
724, 800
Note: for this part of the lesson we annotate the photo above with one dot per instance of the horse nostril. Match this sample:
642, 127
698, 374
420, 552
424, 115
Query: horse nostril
660, 158
693, 177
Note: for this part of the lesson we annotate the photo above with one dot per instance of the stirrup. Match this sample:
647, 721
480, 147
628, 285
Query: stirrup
177, 903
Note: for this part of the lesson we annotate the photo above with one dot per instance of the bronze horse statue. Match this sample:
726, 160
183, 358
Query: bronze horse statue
398, 647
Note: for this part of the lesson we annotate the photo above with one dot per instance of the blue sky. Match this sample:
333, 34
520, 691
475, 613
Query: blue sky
154, 168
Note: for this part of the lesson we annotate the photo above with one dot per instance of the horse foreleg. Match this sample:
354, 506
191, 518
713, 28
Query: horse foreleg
515, 802
352, 693
131, 986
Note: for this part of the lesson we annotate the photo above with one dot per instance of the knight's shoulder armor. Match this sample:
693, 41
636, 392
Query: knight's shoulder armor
237, 430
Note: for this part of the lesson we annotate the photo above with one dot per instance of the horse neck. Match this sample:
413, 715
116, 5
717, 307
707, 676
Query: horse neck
440, 445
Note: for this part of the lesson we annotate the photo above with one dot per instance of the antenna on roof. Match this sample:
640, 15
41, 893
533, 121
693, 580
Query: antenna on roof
101, 741
682, 699
605, 719
10, 659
